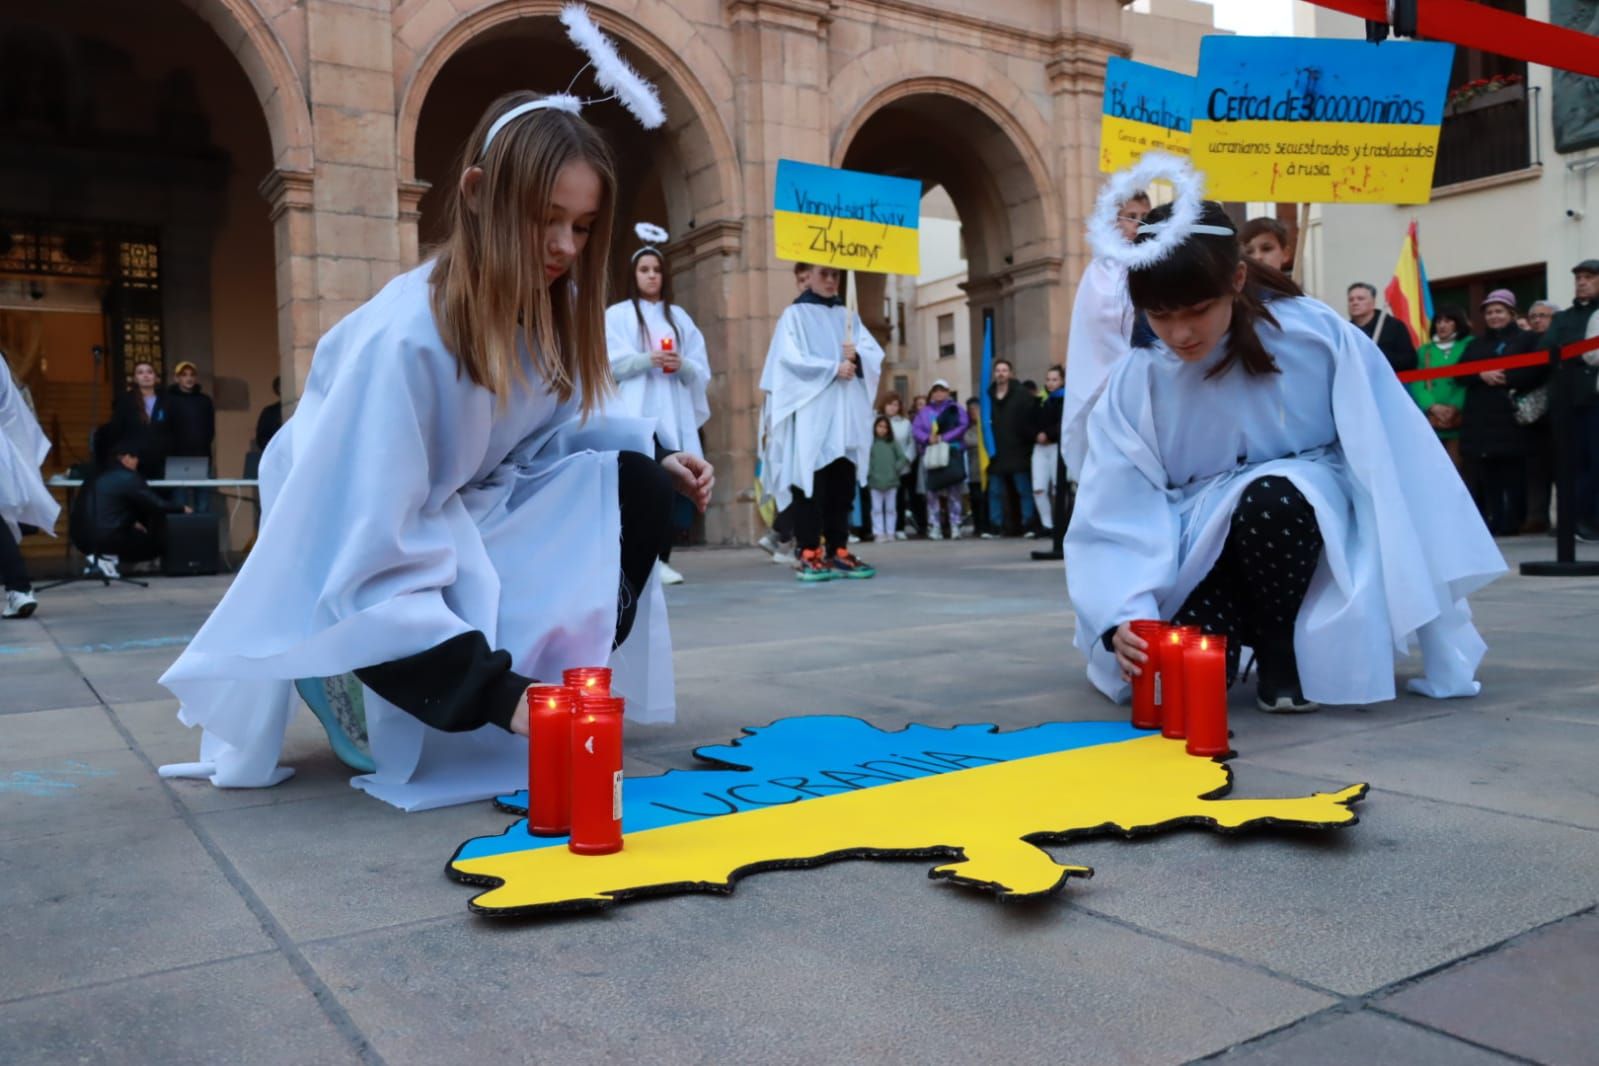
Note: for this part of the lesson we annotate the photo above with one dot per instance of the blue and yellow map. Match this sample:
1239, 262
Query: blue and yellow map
808, 790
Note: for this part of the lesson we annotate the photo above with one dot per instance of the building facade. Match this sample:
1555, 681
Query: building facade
221, 181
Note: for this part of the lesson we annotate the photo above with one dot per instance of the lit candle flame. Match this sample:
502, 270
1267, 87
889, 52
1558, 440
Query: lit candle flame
1204, 643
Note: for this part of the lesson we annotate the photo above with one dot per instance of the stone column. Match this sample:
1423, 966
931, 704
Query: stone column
1077, 85
783, 111
290, 194
1034, 341
410, 211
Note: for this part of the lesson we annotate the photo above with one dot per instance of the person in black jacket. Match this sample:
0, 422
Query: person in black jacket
270, 420
1389, 333
138, 418
1011, 419
1492, 443
191, 418
1581, 377
1046, 451
117, 517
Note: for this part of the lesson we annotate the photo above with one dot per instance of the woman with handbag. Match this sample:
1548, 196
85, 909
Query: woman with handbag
1493, 442
940, 429
1441, 399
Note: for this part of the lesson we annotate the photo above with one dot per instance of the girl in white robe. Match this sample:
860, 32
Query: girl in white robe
664, 385
444, 517
821, 378
1261, 462
24, 499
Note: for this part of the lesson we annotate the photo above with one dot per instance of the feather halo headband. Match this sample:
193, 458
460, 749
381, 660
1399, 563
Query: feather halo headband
651, 235
1105, 238
610, 70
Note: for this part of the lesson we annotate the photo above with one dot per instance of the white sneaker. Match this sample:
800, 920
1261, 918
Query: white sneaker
955, 533
769, 543
784, 558
934, 533
899, 534
853, 539
668, 575
19, 604
106, 564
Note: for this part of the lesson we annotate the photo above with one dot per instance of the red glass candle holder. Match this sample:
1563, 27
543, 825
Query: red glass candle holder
666, 346
588, 680
597, 776
1170, 694
1146, 712
549, 759
1205, 693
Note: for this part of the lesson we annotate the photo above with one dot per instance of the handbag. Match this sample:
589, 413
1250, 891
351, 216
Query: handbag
1531, 405
947, 476
936, 457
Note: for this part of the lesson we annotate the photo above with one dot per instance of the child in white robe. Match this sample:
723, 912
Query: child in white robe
445, 516
653, 381
24, 499
821, 378
1260, 472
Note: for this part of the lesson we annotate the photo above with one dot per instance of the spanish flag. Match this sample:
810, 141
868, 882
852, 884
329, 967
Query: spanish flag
1409, 297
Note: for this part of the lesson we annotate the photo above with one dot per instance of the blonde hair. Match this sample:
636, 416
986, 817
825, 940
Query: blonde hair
489, 276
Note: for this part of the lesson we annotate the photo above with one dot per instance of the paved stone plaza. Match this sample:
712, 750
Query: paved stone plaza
153, 921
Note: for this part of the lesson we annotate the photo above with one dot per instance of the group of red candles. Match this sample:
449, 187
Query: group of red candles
575, 761
1182, 690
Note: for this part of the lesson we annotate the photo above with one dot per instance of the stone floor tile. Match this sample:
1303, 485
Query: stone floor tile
1339, 1039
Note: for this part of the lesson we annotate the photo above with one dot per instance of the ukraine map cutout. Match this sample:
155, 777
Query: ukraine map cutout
809, 790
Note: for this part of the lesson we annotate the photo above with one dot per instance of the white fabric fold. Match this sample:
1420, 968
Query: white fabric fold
1100, 335
23, 448
676, 402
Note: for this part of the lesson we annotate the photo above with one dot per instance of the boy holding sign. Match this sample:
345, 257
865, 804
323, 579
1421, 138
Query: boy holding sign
820, 378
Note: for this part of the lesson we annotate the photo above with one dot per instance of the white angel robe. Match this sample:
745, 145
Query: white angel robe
1100, 335
403, 505
676, 401
1169, 453
816, 417
24, 499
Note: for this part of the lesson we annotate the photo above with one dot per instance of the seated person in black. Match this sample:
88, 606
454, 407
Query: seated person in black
117, 516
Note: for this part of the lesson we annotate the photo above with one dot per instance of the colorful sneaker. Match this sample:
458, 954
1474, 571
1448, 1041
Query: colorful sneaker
848, 565
337, 703
812, 567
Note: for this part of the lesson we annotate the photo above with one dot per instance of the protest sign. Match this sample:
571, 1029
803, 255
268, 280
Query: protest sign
1144, 107
846, 219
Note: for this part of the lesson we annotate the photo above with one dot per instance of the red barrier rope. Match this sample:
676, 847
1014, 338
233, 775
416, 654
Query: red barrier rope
1504, 362
1490, 30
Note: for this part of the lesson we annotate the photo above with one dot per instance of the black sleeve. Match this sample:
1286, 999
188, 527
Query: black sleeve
456, 686
209, 422
1107, 638
1526, 377
1400, 349
151, 504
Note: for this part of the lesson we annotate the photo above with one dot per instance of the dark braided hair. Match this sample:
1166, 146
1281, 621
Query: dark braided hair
1202, 268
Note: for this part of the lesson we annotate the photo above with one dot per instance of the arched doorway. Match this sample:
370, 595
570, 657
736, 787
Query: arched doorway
131, 225
683, 176
974, 163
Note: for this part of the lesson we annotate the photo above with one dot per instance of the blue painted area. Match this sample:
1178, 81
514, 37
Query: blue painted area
808, 189
134, 645
1299, 79
50, 782
1155, 96
796, 759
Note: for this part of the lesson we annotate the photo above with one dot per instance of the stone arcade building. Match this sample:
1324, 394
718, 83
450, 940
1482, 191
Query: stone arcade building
222, 180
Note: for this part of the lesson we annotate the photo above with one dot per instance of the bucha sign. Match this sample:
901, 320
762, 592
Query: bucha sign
1144, 107
1319, 121
847, 219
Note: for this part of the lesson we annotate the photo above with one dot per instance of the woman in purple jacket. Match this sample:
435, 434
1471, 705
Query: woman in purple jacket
942, 421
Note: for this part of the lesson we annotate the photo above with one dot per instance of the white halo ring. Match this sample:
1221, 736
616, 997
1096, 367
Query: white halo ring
650, 233
1189, 185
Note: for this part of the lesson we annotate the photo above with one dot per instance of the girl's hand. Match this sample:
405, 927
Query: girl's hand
519, 719
691, 476
846, 370
1129, 648
1493, 377
670, 361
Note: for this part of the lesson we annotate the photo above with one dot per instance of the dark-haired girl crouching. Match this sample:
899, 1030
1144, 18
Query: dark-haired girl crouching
1260, 472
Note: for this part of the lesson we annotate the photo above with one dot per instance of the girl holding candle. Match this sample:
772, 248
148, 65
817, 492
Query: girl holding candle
1258, 471
447, 517
658, 359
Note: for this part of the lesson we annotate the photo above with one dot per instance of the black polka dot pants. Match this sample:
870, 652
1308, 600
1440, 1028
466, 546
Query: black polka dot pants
1253, 593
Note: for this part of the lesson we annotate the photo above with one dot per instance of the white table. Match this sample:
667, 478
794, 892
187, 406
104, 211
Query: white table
60, 481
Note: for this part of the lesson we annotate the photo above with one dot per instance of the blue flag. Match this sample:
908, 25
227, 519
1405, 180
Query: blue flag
982, 383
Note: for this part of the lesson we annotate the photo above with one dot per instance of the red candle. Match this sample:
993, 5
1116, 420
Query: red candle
666, 346
588, 680
1173, 707
597, 776
549, 759
1146, 711
1205, 694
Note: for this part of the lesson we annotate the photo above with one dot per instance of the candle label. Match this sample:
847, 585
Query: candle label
913, 792
1158, 700
616, 796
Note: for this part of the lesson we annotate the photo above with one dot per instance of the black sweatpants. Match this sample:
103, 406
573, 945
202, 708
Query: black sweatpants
1253, 593
825, 512
462, 684
13, 572
1499, 485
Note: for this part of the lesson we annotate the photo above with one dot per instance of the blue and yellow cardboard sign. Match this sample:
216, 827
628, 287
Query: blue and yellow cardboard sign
1319, 121
809, 790
847, 219
1145, 107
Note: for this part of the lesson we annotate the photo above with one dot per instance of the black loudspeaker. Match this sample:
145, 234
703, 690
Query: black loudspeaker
192, 545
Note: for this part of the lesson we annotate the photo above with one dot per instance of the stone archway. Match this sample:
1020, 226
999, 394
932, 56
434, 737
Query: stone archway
952, 134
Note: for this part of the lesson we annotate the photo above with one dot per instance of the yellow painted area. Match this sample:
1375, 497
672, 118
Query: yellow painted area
1122, 141
1316, 162
848, 244
984, 813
